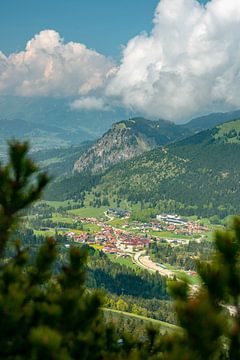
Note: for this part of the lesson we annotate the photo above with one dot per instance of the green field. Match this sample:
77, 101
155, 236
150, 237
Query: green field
89, 212
126, 261
117, 222
147, 321
63, 219
45, 233
92, 228
169, 235
51, 232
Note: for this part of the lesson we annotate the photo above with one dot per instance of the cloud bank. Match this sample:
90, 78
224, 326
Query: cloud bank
188, 65
89, 103
48, 67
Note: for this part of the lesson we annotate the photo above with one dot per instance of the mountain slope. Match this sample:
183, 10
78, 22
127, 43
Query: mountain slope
198, 175
211, 120
125, 140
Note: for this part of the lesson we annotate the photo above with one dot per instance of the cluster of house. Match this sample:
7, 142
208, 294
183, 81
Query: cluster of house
81, 238
114, 241
119, 241
88, 220
186, 228
181, 226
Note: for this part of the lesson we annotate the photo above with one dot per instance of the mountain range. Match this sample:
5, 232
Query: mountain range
195, 175
199, 174
52, 123
190, 169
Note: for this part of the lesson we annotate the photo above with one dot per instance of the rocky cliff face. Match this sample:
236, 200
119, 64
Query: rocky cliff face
125, 140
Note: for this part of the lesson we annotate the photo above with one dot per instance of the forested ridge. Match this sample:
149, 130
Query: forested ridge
200, 175
195, 176
181, 256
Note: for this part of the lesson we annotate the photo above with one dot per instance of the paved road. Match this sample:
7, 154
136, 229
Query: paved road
145, 262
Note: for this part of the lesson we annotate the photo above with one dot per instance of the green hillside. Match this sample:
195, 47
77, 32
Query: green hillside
211, 120
228, 132
198, 175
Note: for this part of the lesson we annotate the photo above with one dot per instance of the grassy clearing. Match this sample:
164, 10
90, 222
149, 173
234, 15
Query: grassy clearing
125, 261
169, 235
117, 222
165, 326
89, 212
92, 228
62, 219
45, 233
52, 231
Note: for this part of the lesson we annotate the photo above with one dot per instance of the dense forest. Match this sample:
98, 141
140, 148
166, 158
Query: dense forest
182, 256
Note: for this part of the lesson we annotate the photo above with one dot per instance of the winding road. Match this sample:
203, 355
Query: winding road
145, 262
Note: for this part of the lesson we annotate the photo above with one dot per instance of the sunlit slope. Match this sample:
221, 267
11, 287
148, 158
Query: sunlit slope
199, 173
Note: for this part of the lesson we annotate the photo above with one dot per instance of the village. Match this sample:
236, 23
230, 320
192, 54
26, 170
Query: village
134, 236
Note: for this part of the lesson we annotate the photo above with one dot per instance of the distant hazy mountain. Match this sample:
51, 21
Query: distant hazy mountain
127, 139
211, 120
57, 112
40, 135
51, 123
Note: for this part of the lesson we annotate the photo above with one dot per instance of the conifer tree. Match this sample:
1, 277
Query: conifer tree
43, 317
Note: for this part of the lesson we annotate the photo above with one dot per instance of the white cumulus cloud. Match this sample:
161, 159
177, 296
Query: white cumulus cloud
89, 103
188, 65
49, 67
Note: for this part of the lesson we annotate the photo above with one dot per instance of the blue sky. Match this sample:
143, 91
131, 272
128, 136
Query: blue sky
103, 25
100, 24
109, 54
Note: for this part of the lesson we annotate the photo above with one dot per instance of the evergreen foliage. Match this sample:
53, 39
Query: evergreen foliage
42, 317
17, 188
